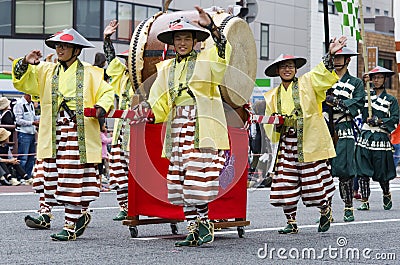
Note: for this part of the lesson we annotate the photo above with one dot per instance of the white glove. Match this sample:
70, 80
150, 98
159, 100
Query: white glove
264, 157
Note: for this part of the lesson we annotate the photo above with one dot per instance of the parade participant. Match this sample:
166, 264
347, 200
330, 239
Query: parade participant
346, 98
68, 142
119, 154
305, 143
374, 156
185, 95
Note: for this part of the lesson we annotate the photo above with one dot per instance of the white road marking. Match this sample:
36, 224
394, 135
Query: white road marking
374, 188
270, 229
57, 210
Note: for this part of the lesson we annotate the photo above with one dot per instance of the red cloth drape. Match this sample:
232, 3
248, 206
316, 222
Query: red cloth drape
147, 190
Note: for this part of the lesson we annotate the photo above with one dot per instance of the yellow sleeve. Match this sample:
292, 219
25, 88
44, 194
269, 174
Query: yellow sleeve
270, 108
321, 80
116, 70
103, 92
158, 96
218, 64
105, 96
29, 82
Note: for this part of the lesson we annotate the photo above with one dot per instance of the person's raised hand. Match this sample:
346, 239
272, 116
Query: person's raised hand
337, 44
203, 19
33, 57
111, 28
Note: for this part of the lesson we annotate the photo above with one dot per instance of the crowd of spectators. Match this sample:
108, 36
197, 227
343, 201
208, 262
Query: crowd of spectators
19, 120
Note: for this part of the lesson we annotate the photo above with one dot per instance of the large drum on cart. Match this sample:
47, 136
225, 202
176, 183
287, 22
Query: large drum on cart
147, 186
146, 50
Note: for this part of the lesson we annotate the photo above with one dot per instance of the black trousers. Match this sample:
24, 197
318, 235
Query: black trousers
12, 171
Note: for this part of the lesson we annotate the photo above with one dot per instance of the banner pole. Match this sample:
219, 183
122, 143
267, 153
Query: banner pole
365, 56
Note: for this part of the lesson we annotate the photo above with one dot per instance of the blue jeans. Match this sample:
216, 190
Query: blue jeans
396, 155
26, 145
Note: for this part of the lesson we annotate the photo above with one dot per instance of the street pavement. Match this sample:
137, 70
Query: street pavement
371, 239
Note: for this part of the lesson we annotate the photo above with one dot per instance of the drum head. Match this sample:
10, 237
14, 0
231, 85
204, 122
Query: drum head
240, 76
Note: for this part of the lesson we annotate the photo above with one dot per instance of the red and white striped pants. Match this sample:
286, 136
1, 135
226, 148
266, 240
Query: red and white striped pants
310, 181
193, 174
66, 179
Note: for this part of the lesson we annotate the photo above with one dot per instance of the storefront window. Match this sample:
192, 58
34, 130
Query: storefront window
264, 47
42, 17
5, 18
125, 18
88, 18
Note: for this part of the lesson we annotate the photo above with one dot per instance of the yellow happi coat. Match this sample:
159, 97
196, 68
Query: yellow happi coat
317, 141
208, 73
37, 82
119, 79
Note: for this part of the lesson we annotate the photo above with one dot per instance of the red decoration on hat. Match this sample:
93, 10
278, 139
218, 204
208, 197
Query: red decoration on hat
67, 37
340, 51
375, 70
57, 33
288, 56
176, 26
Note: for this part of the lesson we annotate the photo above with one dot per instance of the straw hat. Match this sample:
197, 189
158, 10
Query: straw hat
68, 36
123, 54
4, 134
381, 70
167, 36
4, 103
346, 51
271, 69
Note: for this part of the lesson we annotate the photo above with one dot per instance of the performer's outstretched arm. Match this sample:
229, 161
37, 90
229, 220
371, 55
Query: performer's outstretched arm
108, 47
206, 22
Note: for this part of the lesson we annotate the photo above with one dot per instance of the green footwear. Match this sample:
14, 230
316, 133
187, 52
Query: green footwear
325, 220
82, 223
206, 232
65, 235
291, 228
348, 214
191, 239
387, 201
121, 216
364, 206
42, 222
317, 220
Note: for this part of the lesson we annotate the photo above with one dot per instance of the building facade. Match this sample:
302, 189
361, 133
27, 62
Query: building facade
279, 26
379, 22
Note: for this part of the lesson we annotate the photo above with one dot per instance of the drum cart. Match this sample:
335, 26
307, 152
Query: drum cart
147, 187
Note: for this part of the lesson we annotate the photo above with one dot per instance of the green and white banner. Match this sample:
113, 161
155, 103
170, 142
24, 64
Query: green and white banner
348, 9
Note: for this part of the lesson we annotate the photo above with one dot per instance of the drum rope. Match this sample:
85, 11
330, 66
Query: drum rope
222, 27
134, 48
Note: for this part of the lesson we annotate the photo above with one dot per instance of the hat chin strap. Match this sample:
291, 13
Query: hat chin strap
382, 86
181, 57
72, 57
340, 66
